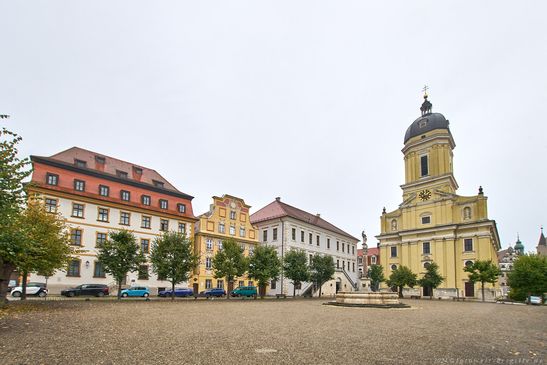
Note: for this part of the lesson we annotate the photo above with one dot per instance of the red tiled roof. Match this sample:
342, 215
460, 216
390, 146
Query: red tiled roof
278, 209
111, 166
371, 251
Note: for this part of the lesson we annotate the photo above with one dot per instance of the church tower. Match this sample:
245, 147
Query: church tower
433, 223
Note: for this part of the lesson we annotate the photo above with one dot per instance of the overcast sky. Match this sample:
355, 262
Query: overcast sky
306, 100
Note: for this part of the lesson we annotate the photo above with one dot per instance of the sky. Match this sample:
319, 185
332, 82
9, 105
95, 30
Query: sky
304, 100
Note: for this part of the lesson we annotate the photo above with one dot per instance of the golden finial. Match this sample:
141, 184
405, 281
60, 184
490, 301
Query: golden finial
425, 91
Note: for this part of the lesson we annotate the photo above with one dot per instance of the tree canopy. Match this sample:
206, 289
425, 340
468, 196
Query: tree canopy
264, 265
528, 277
376, 274
401, 277
173, 258
321, 270
229, 262
295, 267
483, 271
431, 278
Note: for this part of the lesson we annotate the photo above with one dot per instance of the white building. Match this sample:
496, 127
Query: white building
287, 227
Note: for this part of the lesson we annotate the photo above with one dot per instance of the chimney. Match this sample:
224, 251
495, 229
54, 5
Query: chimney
318, 215
278, 199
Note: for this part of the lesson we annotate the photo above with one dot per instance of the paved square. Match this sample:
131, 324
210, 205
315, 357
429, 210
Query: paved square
273, 332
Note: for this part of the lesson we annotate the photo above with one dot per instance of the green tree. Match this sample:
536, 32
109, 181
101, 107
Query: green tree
295, 268
119, 255
376, 274
483, 271
321, 270
528, 277
12, 173
47, 242
431, 278
173, 258
229, 263
401, 277
264, 265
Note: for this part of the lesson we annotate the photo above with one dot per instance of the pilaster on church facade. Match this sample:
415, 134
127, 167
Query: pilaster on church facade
433, 223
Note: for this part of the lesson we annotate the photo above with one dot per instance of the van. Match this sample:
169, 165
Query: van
244, 291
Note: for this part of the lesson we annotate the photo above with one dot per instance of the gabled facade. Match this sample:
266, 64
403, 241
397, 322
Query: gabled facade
228, 218
98, 194
433, 223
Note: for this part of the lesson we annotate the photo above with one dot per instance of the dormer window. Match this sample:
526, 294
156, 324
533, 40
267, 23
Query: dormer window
121, 174
137, 170
157, 183
80, 163
100, 159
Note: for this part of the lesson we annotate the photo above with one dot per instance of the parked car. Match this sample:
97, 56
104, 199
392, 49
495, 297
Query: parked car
97, 290
36, 289
179, 292
136, 291
244, 291
216, 292
12, 284
533, 300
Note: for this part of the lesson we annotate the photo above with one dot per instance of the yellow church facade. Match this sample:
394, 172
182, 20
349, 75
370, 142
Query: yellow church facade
433, 223
227, 218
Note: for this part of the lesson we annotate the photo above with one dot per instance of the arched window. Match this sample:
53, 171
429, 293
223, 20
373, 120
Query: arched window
466, 213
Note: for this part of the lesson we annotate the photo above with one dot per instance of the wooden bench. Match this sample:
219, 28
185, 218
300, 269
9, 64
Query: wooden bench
284, 296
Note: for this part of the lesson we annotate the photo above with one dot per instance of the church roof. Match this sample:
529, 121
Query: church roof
542, 241
427, 122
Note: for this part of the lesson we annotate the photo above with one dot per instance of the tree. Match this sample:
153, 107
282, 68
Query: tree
173, 258
322, 270
431, 278
528, 277
229, 263
376, 274
264, 265
47, 242
120, 254
295, 268
483, 271
401, 277
12, 173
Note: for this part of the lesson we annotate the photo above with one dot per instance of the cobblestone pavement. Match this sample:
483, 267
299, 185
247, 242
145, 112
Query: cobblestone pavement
271, 332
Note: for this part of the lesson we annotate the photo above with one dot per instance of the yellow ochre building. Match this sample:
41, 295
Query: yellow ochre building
228, 217
433, 223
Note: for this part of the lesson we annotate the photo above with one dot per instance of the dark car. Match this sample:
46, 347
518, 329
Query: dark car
97, 290
179, 292
208, 293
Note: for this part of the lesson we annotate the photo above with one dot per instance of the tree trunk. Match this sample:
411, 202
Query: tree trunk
119, 289
230, 288
24, 286
262, 288
172, 290
294, 290
482, 289
6, 269
320, 290
400, 292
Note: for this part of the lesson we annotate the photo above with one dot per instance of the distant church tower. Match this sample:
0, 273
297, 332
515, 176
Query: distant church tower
433, 223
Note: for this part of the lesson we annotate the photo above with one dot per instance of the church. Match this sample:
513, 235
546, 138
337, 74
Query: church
433, 223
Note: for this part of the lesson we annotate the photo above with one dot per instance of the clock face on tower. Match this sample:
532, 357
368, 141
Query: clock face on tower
425, 194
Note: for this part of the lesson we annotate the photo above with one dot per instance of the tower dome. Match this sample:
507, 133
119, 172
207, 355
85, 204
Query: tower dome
427, 122
519, 247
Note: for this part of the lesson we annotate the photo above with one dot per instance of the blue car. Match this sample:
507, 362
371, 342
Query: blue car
216, 292
136, 291
179, 292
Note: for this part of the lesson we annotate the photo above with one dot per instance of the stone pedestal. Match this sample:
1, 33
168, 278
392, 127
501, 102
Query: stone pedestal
374, 298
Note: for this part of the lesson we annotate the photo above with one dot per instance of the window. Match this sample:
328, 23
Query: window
125, 195
426, 219
208, 263
337, 245
317, 240
250, 283
221, 228
426, 249
121, 174
100, 159
241, 283
353, 250
311, 258
394, 267
328, 243
343, 247
468, 263
73, 268
145, 221
302, 236
393, 251
52, 179
337, 264
145, 245
468, 244
427, 264
125, 218
101, 238
98, 270
145, 200
251, 250
102, 214
164, 225
164, 204
220, 245
343, 264
359, 260
77, 210
373, 260
79, 185
51, 205
157, 183
293, 234
242, 231
76, 237
273, 284
274, 234
424, 168
264, 236
232, 214
104, 190
182, 228
209, 244
310, 238
208, 283
232, 229
80, 163
181, 208
220, 284
143, 272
